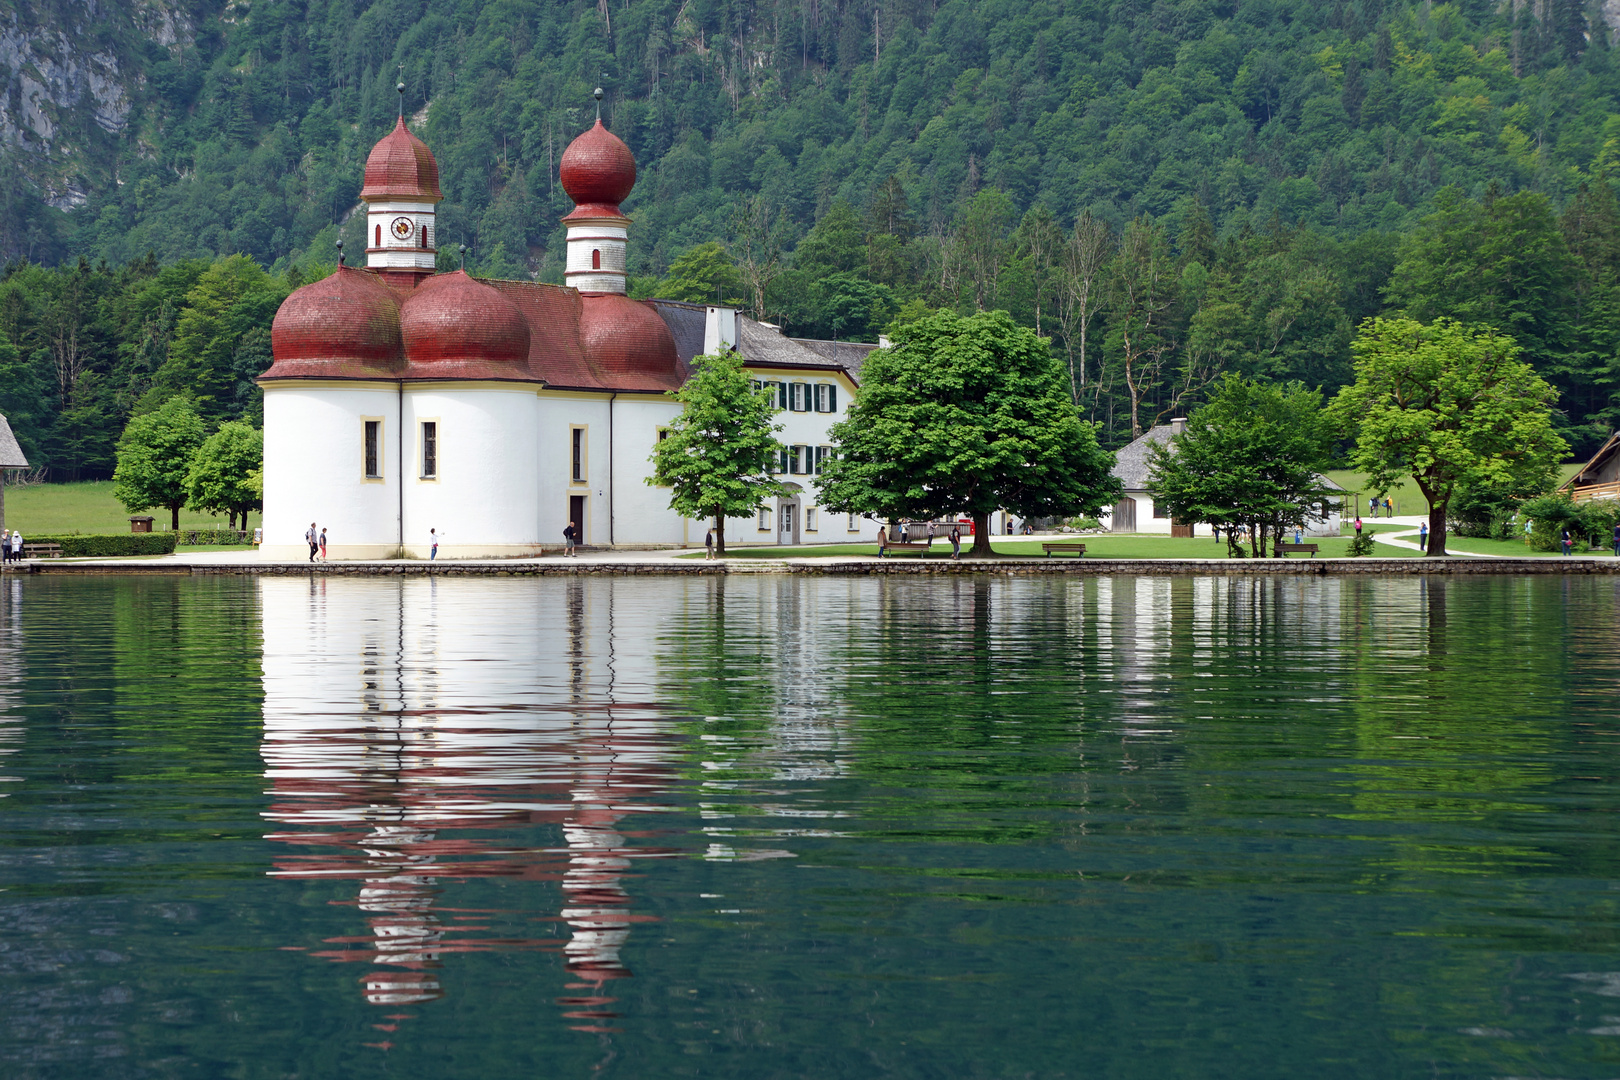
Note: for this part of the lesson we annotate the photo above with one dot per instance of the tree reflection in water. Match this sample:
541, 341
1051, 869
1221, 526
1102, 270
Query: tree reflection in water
383, 754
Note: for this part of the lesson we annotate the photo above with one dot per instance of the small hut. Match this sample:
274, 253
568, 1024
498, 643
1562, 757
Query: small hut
11, 457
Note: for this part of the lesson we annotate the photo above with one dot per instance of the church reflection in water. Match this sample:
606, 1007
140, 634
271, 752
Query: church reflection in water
414, 740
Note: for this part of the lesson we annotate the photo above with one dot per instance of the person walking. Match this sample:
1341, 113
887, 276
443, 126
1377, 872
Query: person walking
569, 536
883, 539
708, 543
433, 544
1423, 537
1617, 541
956, 542
314, 540
1567, 542
1358, 524
16, 545
323, 545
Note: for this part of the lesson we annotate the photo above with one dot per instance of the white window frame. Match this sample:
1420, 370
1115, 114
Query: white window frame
764, 519
852, 526
810, 519
581, 477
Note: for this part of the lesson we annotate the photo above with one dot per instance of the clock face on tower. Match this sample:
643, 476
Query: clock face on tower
402, 228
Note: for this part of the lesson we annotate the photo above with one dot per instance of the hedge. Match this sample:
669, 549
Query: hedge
189, 537
101, 547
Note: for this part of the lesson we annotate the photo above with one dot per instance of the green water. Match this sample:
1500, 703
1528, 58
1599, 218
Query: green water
781, 827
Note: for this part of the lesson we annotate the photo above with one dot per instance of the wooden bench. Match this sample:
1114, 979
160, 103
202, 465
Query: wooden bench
1051, 549
1284, 549
42, 551
920, 549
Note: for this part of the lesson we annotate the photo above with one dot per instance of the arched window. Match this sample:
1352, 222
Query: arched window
378, 242
596, 258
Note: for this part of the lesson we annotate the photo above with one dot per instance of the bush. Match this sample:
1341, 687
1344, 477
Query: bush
1361, 544
1591, 523
104, 547
192, 537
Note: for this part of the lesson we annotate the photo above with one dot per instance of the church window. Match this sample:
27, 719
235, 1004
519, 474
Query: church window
378, 241
852, 527
430, 449
578, 455
764, 519
372, 448
596, 258
810, 519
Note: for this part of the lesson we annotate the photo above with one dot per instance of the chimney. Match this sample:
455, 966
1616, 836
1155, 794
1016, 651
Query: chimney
719, 330
1179, 423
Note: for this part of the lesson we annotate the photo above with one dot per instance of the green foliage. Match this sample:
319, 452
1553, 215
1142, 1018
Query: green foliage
715, 453
1249, 459
1451, 405
154, 458
703, 275
226, 471
78, 545
965, 415
1590, 523
1362, 544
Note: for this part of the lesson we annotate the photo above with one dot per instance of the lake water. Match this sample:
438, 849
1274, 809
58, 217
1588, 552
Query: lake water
780, 827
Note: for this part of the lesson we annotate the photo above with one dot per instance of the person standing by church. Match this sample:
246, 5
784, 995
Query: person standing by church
433, 544
314, 540
708, 544
570, 535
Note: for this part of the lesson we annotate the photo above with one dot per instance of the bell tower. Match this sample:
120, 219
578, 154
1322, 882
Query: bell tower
598, 171
401, 194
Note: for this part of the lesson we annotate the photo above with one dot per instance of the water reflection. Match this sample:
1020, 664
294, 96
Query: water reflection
399, 727
11, 674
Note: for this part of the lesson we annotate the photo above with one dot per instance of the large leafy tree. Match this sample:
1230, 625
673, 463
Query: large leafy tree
154, 458
1250, 458
715, 453
225, 471
1451, 405
966, 415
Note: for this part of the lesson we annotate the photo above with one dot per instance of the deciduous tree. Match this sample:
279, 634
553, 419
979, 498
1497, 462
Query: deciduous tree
715, 454
966, 415
1249, 459
224, 470
154, 458
1450, 405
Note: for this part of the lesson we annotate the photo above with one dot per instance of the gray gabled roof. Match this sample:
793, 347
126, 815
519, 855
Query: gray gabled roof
1131, 463
11, 455
760, 343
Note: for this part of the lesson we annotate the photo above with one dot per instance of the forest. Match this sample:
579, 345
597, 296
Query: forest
1167, 191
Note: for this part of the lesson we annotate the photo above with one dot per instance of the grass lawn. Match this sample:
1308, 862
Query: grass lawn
1405, 495
1123, 546
58, 509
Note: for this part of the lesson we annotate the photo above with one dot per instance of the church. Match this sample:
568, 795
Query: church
405, 405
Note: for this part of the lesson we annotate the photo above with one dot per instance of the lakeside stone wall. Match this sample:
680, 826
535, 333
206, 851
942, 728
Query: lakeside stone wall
853, 567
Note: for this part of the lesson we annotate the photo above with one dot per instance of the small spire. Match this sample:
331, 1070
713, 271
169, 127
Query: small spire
340, 252
464, 257
400, 86
598, 96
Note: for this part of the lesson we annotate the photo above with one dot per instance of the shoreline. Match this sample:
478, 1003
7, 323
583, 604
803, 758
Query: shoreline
851, 567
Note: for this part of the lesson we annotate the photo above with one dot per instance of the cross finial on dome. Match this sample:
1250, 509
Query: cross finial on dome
340, 252
598, 96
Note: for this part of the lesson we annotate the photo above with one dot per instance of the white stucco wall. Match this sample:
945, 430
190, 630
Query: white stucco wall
485, 498
314, 470
1147, 523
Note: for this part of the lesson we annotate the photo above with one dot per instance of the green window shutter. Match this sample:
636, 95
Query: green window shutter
782, 459
832, 397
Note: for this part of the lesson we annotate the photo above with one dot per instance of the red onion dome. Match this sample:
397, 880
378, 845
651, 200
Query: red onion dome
598, 171
457, 327
343, 326
401, 167
626, 337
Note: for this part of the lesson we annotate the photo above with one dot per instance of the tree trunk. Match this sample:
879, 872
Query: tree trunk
981, 536
719, 533
174, 517
1437, 529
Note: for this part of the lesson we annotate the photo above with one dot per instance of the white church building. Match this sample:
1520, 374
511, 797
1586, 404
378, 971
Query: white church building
404, 403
